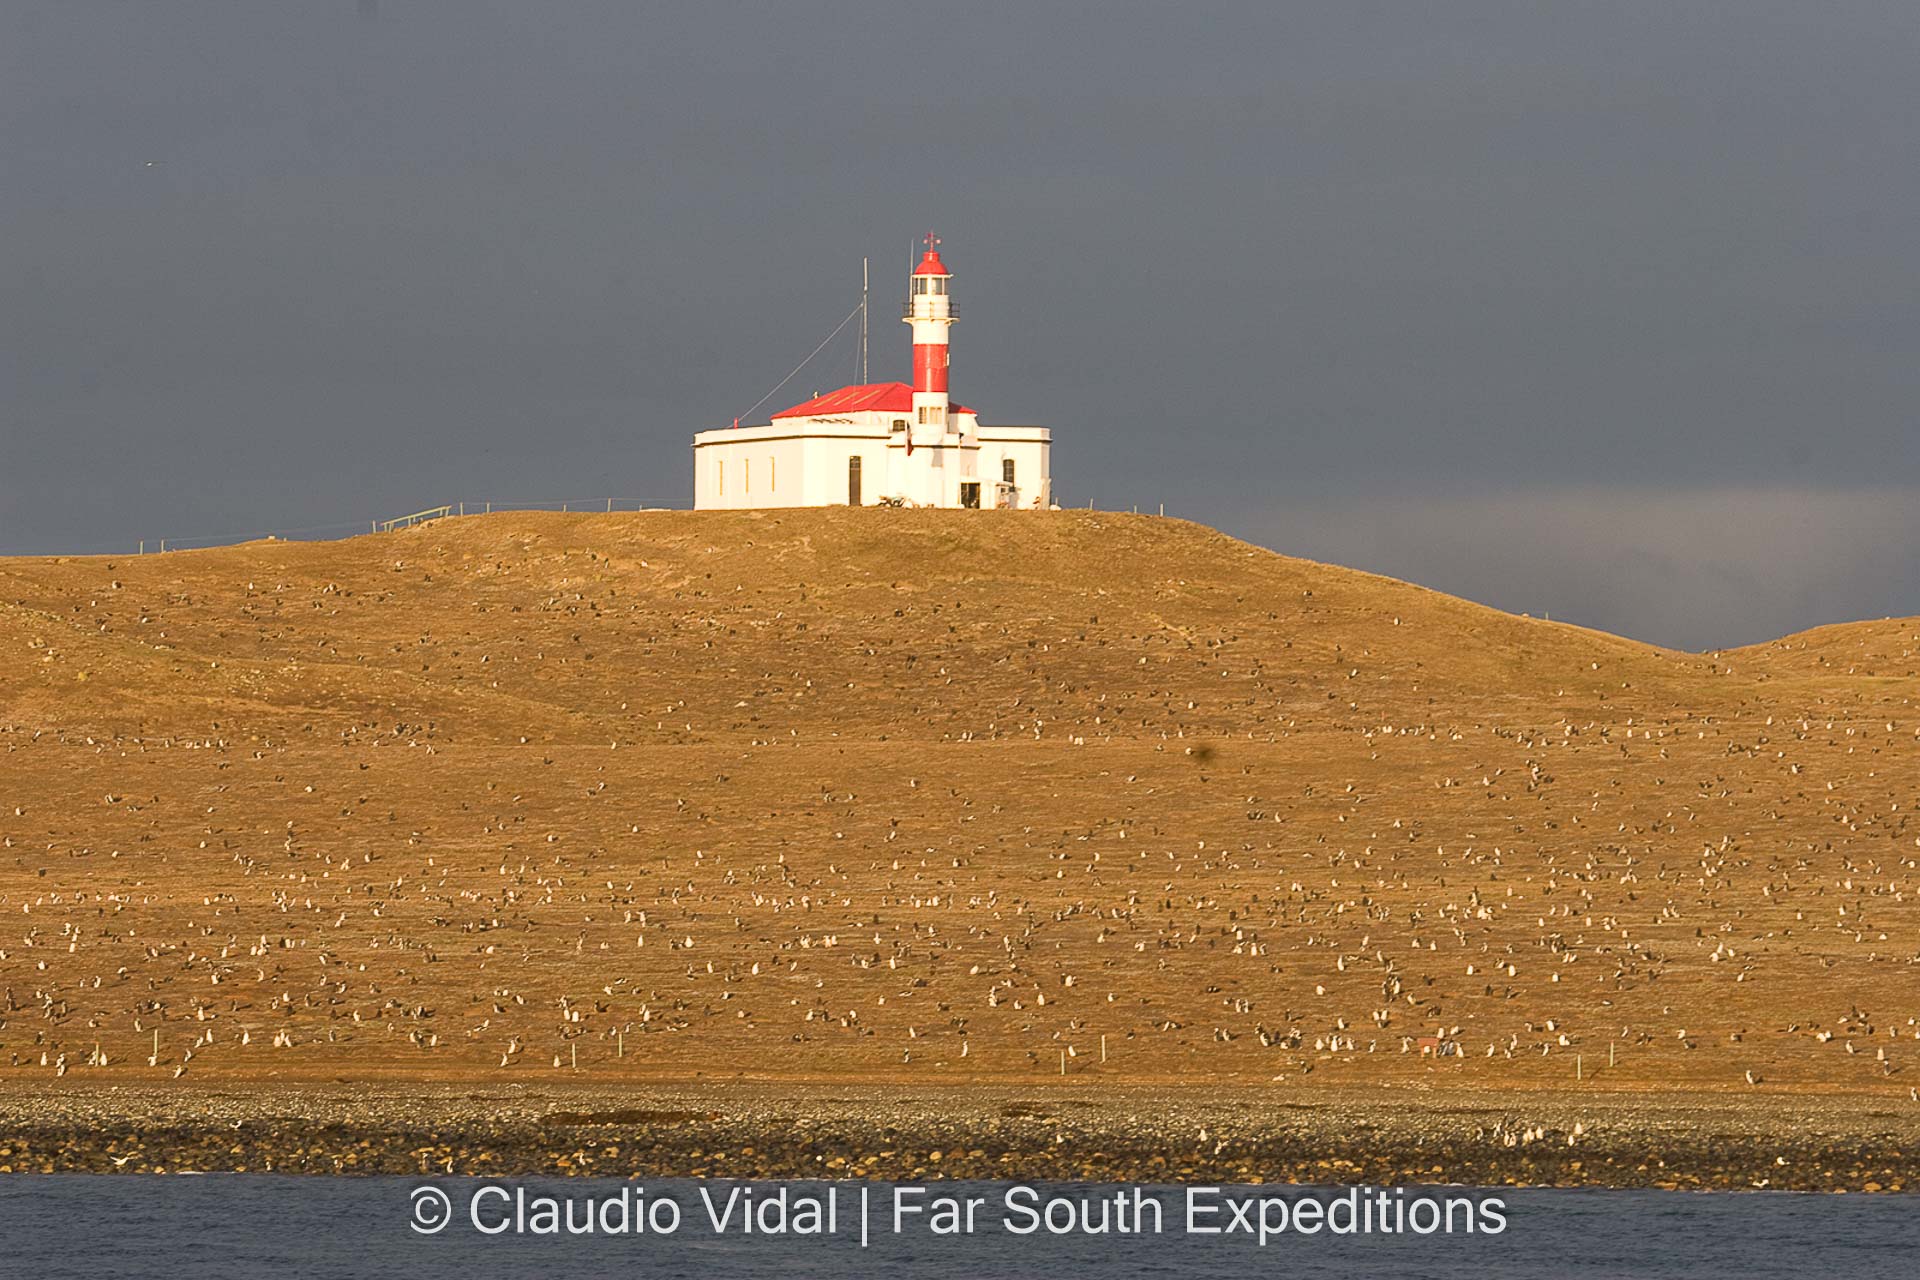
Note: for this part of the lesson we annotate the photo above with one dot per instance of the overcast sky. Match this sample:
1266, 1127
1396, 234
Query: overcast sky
1604, 311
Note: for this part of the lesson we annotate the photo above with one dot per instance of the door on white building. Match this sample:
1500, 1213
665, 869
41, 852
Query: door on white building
853, 481
970, 493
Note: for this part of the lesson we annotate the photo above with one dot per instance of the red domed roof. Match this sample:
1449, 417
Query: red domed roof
930, 264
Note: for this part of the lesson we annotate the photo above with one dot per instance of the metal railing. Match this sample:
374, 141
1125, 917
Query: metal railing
418, 517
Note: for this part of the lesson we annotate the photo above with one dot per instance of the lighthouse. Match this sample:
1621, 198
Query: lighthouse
882, 443
930, 314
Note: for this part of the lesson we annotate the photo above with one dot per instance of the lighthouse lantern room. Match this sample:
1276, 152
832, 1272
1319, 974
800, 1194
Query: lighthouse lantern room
883, 442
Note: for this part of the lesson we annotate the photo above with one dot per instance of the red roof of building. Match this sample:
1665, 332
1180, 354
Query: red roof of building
930, 265
872, 397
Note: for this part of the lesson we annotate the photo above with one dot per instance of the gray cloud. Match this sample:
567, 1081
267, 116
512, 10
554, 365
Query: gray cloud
1687, 568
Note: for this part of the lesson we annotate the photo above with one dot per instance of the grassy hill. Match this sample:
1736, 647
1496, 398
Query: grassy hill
900, 623
929, 795
1888, 648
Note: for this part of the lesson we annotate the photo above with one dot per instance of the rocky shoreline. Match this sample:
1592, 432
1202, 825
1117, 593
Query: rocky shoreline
1176, 1135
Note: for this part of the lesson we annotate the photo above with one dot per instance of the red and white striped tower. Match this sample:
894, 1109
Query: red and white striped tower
930, 312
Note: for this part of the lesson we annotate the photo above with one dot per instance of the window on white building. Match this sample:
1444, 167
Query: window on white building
932, 413
1006, 470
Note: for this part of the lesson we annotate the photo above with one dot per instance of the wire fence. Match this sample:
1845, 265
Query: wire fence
342, 529
447, 510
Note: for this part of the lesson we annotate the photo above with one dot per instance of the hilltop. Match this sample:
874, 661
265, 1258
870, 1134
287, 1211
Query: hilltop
1887, 648
916, 796
870, 624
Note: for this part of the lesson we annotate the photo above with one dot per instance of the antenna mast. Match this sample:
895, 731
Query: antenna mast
863, 322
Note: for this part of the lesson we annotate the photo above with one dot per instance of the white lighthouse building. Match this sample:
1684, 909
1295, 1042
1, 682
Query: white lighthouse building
878, 442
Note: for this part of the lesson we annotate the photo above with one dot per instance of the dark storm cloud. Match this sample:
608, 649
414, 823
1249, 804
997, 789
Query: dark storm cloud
1691, 568
1382, 284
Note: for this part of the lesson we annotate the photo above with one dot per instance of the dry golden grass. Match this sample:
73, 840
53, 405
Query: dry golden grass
900, 795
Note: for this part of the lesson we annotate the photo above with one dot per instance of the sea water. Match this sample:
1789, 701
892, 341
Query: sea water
306, 1228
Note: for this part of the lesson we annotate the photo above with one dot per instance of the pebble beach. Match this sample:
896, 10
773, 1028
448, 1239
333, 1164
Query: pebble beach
1669, 1141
